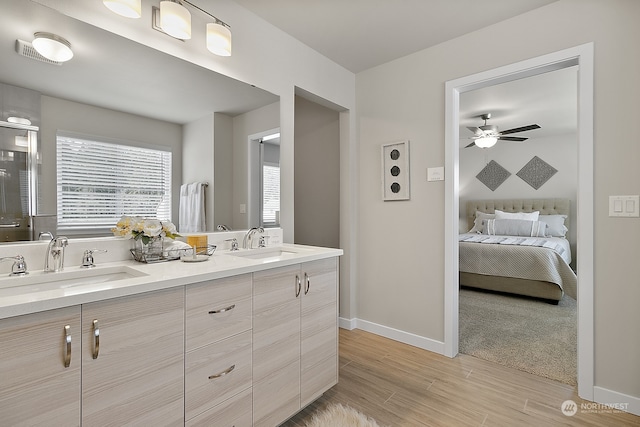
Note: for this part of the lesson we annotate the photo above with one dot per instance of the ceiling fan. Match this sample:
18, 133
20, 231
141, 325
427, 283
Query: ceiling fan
487, 135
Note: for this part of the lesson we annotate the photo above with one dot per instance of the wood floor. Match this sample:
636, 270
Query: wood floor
400, 385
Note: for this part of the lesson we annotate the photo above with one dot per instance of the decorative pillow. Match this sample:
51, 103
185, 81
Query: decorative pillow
555, 225
529, 216
477, 223
514, 227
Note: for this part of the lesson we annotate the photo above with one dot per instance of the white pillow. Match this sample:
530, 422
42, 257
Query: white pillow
514, 227
477, 223
527, 216
555, 223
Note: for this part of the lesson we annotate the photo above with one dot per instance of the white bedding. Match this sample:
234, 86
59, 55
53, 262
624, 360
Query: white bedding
534, 258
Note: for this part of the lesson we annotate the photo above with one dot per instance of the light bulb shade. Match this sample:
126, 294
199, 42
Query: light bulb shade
52, 47
219, 39
126, 8
175, 20
486, 142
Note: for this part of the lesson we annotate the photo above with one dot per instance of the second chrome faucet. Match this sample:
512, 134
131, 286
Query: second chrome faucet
55, 251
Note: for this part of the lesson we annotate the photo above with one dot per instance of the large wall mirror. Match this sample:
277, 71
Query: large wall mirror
122, 91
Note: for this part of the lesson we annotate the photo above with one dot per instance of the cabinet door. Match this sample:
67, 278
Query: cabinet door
37, 389
136, 373
319, 329
276, 345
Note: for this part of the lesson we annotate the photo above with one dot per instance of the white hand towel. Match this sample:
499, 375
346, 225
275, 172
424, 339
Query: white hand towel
192, 216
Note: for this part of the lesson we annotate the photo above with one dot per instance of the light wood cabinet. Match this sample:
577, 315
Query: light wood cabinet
218, 365
295, 344
246, 350
37, 388
134, 372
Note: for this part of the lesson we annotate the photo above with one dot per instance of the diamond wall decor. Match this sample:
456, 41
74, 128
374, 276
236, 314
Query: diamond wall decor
493, 175
536, 172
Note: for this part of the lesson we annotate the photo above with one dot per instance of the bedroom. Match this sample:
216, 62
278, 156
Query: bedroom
496, 325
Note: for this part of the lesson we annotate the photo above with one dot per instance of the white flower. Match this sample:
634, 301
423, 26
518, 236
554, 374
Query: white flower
151, 227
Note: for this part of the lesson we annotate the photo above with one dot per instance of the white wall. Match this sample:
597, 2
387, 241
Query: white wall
197, 160
404, 99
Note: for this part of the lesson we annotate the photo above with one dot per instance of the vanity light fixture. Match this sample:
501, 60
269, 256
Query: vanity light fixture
173, 18
52, 47
126, 8
486, 142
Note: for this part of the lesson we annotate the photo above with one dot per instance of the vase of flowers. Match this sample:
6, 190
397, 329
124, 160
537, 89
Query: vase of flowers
147, 235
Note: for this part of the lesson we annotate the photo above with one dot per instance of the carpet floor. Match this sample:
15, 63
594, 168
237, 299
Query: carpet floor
522, 333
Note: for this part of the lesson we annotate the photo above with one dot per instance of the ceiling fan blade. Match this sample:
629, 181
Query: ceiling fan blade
476, 131
471, 145
512, 138
520, 129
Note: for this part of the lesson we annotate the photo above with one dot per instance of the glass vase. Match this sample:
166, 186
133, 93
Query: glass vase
151, 251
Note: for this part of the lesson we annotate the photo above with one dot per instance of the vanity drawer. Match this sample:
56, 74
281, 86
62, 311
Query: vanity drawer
217, 309
216, 372
234, 412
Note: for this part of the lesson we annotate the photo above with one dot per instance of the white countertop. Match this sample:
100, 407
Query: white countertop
222, 263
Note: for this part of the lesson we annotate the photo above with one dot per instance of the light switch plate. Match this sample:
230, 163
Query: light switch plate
435, 174
624, 206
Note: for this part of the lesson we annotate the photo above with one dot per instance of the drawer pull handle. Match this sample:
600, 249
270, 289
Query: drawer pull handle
298, 286
67, 341
96, 339
223, 373
222, 310
308, 280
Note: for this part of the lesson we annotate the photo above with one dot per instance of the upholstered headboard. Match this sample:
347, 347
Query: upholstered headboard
545, 206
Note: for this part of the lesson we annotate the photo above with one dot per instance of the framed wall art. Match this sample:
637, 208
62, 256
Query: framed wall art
395, 171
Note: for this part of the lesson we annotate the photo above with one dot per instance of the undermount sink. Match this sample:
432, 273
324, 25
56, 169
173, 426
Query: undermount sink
264, 253
41, 281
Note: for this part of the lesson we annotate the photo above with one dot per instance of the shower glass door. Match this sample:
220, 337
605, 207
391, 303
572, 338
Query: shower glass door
18, 180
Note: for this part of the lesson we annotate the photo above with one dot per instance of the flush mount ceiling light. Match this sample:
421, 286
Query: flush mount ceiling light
126, 8
52, 47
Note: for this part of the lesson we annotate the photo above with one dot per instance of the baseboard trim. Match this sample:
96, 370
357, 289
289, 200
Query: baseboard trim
618, 401
394, 334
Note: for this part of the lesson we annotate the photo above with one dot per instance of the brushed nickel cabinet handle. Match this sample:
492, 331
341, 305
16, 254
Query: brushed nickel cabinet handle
222, 310
223, 373
67, 341
298, 286
96, 339
308, 280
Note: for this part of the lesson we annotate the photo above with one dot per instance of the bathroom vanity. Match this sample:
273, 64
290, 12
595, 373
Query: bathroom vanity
246, 338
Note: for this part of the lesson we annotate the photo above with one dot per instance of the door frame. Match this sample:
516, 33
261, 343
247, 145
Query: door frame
583, 56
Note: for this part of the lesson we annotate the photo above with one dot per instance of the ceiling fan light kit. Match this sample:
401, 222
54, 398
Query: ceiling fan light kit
486, 136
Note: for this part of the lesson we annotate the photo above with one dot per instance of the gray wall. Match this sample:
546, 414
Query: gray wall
317, 175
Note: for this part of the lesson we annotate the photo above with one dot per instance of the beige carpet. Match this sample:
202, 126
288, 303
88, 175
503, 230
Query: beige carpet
526, 334
338, 415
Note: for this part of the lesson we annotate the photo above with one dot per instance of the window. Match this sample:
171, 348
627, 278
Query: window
98, 182
270, 193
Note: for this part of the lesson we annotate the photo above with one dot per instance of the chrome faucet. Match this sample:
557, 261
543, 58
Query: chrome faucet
19, 267
87, 258
55, 250
246, 244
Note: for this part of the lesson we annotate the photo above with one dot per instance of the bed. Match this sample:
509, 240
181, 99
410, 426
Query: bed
524, 265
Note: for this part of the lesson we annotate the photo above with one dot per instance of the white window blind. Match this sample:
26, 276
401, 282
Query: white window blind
270, 193
99, 182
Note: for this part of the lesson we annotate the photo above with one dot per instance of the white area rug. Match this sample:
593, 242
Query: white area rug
341, 416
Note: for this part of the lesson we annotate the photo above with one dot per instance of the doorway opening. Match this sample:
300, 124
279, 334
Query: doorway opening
581, 56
